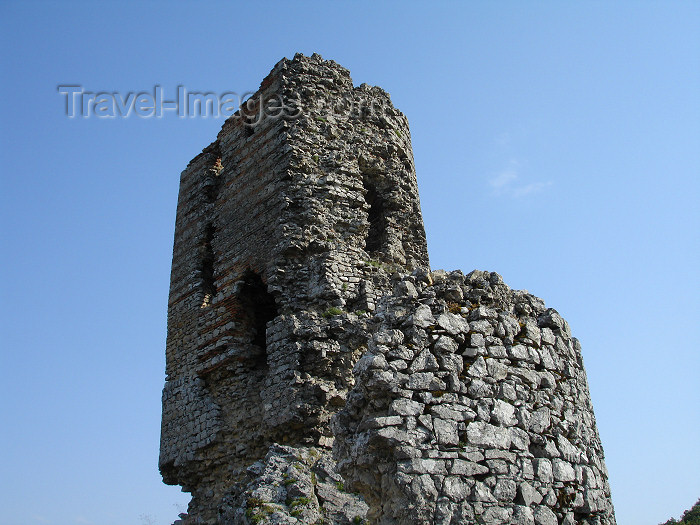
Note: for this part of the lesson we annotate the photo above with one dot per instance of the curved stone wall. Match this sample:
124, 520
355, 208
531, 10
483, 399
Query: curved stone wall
472, 406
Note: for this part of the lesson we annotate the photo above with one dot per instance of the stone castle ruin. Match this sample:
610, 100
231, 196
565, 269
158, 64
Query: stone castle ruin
319, 372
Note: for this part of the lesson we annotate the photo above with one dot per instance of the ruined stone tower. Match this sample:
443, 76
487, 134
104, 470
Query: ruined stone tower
303, 319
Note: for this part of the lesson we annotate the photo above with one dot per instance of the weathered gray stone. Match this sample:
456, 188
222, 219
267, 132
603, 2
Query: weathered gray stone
540, 420
523, 516
370, 361
527, 495
569, 452
445, 431
478, 389
452, 324
505, 490
481, 492
478, 368
424, 361
423, 317
379, 422
389, 338
503, 413
545, 516
483, 434
456, 489
543, 470
406, 407
454, 368
424, 466
476, 340
483, 327
425, 381
562, 470
497, 515
518, 352
519, 439
467, 468
496, 369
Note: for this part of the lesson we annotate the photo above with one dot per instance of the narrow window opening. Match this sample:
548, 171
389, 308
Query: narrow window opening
212, 182
250, 123
375, 235
211, 189
260, 308
207, 265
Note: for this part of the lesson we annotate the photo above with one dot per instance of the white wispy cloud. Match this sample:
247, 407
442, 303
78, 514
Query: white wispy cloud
508, 182
503, 179
535, 187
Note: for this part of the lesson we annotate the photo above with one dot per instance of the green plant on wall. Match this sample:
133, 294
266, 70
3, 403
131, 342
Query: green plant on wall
332, 311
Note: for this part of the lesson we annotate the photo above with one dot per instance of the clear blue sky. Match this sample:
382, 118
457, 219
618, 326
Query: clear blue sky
557, 143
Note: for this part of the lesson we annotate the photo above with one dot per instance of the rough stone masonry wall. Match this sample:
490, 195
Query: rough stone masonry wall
299, 249
472, 406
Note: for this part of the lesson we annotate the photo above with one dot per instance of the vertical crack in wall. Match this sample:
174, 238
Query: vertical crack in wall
207, 265
207, 258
